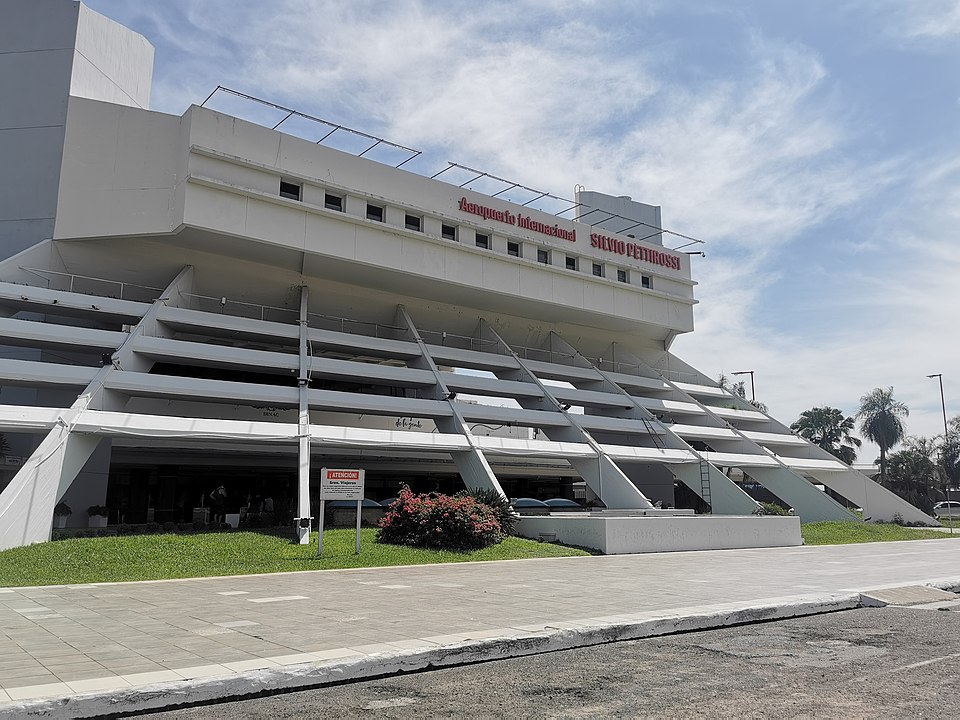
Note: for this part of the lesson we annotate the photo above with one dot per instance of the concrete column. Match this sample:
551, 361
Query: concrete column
303, 427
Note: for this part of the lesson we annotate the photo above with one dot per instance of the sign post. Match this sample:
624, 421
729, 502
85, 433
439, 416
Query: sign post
344, 484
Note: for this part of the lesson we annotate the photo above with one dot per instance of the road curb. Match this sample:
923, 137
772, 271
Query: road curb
310, 675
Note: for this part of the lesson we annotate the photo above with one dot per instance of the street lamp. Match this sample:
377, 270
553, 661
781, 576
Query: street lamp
943, 404
753, 389
943, 407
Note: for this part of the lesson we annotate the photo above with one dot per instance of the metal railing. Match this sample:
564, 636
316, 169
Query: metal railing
350, 326
239, 308
461, 342
101, 287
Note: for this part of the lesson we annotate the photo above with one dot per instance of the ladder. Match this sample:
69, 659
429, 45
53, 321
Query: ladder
654, 435
705, 483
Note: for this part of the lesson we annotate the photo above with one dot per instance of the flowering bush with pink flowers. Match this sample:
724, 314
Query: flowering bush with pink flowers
440, 522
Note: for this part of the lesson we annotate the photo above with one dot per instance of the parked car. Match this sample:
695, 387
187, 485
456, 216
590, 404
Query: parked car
947, 509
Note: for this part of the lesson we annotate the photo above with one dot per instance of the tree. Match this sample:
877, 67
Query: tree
739, 388
914, 472
950, 449
827, 428
881, 422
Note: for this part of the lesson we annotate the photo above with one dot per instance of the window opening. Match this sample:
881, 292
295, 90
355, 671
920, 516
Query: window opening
290, 190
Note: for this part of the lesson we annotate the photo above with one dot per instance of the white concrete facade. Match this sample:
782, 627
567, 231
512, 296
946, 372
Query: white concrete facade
200, 285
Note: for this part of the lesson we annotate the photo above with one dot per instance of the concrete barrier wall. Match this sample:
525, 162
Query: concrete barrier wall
616, 536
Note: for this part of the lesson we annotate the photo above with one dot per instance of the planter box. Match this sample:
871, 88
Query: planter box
97, 521
60, 521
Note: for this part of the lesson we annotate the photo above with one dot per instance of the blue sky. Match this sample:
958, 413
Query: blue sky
814, 145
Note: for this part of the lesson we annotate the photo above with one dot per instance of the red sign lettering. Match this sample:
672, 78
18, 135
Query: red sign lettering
524, 221
635, 250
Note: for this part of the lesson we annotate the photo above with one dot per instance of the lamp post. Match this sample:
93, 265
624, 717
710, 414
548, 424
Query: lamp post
943, 407
753, 389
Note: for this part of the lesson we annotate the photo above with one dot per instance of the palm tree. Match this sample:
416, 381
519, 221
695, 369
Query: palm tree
881, 421
739, 388
827, 428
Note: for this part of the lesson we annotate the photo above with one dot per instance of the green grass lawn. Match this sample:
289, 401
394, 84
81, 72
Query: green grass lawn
155, 557
844, 533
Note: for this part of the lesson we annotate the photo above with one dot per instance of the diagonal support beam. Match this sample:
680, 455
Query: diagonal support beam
723, 495
26, 504
471, 464
602, 475
810, 504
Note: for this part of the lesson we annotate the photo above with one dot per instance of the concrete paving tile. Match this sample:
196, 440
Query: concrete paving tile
253, 664
25, 671
412, 644
335, 654
70, 674
37, 679
98, 684
293, 659
149, 678
30, 692
448, 639
130, 668
202, 671
238, 624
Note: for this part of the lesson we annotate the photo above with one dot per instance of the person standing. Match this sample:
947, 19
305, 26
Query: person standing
219, 500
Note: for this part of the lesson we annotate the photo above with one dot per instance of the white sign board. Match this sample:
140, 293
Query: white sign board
341, 484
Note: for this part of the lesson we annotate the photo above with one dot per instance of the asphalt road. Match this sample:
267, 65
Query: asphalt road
879, 662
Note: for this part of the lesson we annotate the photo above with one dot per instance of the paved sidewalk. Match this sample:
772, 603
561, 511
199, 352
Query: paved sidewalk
66, 641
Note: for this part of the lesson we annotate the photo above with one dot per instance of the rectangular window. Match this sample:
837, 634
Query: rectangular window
483, 241
598, 269
333, 202
290, 190
513, 248
448, 232
413, 222
374, 212
543, 256
571, 263
646, 281
622, 275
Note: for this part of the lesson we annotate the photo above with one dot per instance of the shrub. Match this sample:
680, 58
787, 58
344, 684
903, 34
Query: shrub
62, 509
153, 527
774, 509
97, 510
439, 522
199, 525
897, 519
126, 530
169, 526
506, 515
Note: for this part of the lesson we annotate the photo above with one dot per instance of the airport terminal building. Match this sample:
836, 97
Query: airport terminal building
196, 300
